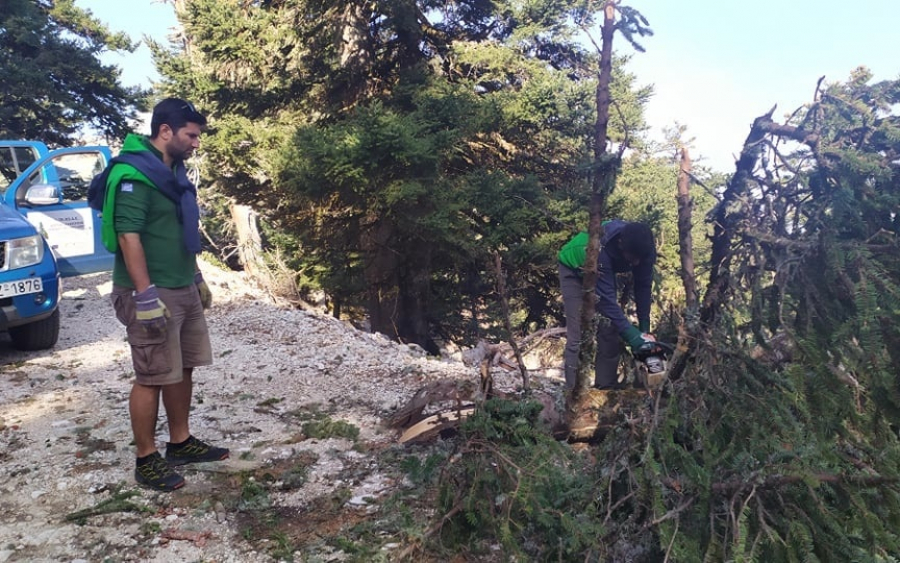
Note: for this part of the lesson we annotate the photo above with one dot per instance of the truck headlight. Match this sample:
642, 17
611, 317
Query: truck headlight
24, 252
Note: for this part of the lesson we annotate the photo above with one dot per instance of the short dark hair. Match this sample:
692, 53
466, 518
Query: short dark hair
176, 113
637, 240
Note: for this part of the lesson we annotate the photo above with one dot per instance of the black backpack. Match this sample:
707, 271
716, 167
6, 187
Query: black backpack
97, 190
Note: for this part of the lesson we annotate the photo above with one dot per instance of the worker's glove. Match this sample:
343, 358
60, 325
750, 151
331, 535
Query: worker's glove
639, 342
203, 289
150, 311
644, 325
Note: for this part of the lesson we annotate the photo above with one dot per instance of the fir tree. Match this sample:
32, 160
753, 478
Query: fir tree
53, 81
397, 147
778, 440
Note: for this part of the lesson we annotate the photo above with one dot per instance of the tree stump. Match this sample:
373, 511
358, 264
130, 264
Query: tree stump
602, 410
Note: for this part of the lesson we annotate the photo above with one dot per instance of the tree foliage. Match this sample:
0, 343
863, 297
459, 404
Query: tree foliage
516, 484
777, 438
396, 147
53, 81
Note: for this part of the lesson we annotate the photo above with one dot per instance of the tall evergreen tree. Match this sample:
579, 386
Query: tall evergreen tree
401, 144
53, 83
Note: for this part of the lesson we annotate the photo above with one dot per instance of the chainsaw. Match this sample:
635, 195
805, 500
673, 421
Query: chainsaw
652, 363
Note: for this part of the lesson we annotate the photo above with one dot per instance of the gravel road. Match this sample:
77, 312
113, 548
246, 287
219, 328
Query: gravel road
65, 439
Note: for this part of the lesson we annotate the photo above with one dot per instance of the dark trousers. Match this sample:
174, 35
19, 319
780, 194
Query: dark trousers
609, 345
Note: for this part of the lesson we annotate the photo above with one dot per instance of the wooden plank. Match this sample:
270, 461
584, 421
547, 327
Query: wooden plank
430, 427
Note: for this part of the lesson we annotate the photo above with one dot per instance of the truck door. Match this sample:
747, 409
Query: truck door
52, 195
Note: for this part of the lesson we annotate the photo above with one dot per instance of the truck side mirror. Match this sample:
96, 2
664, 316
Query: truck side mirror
43, 194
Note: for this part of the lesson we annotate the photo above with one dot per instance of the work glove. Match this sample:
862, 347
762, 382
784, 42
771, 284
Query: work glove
638, 341
203, 289
150, 311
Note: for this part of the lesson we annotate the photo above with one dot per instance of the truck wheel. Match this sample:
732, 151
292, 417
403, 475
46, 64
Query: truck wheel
36, 336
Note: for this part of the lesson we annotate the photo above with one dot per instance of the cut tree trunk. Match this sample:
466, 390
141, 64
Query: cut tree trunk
249, 241
688, 327
685, 237
603, 410
603, 179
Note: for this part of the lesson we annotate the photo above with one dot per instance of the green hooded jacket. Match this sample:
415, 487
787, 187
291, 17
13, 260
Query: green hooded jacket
122, 172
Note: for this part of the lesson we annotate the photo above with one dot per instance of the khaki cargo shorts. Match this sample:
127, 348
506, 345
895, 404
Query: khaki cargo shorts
159, 359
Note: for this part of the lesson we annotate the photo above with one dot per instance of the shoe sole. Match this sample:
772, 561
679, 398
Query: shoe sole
161, 489
179, 462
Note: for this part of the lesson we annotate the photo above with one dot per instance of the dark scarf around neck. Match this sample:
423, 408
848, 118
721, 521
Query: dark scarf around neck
173, 184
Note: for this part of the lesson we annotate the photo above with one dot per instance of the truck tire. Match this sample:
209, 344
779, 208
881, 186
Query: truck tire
36, 336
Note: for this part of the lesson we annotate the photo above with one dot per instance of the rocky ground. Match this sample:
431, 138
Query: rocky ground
300, 398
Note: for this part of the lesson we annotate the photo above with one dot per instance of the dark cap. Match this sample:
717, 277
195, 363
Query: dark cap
176, 113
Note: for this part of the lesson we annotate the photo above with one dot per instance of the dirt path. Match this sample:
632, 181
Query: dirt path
288, 394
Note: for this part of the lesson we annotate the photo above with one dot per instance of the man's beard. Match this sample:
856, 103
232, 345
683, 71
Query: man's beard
181, 155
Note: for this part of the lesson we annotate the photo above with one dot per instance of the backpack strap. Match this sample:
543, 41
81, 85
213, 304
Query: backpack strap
145, 163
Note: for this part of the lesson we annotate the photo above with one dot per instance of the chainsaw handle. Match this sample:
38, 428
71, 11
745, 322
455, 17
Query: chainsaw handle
667, 348
655, 347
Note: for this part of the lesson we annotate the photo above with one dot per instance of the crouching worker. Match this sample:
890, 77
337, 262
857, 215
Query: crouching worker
624, 247
151, 222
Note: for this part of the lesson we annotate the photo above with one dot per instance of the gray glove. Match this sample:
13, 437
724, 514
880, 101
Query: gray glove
150, 311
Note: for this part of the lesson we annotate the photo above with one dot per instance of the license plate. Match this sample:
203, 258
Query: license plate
20, 287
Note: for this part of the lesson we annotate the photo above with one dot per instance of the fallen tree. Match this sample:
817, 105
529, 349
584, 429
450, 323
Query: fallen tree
775, 439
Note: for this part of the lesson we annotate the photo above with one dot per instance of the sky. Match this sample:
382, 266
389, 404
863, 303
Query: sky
715, 64
718, 64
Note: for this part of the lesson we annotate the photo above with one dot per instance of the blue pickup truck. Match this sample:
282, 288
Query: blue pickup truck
47, 232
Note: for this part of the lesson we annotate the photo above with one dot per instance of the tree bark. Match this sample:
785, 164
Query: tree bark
249, 240
727, 218
504, 306
414, 289
602, 182
397, 287
381, 269
688, 327
685, 237
356, 51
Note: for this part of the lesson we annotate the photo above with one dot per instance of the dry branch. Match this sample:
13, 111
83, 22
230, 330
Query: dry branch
504, 305
729, 214
685, 238
434, 425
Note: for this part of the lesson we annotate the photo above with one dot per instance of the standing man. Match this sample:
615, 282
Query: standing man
624, 247
151, 222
